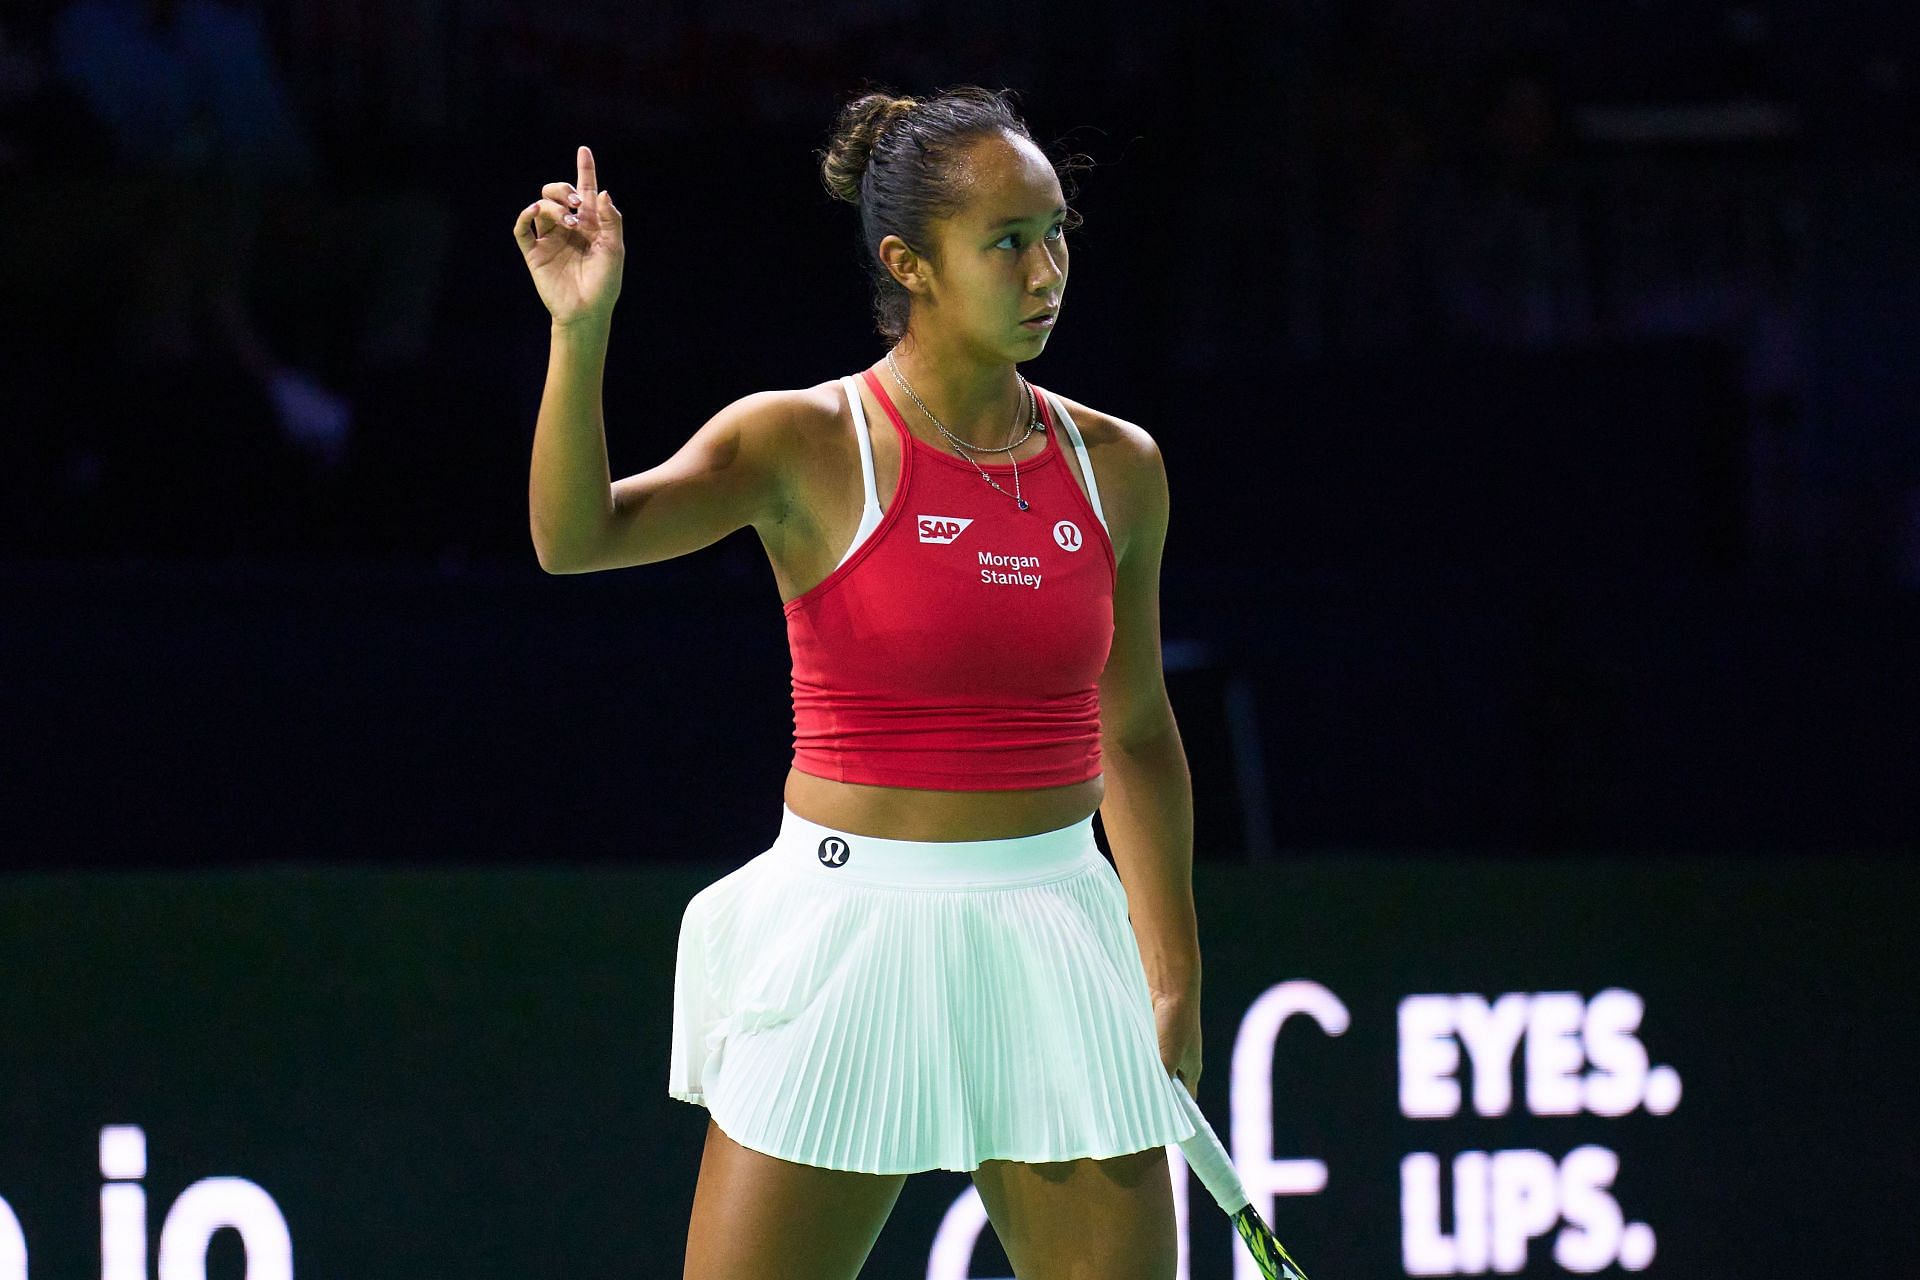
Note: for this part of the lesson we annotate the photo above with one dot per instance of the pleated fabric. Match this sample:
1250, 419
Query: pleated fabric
893, 1006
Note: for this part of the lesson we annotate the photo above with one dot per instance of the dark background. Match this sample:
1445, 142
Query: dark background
1535, 383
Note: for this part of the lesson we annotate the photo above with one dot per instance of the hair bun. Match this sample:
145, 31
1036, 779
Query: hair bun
855, 134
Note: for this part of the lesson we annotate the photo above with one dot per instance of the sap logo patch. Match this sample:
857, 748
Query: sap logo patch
942, 528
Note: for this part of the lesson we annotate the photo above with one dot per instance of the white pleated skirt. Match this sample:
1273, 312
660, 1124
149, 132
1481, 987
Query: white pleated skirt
893, 1006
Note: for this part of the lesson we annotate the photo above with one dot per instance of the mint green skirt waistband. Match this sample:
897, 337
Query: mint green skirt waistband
850, 856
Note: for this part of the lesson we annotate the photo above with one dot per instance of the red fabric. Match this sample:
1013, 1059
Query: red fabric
971, 664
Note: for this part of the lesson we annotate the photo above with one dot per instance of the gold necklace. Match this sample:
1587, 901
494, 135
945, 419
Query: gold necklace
1033, 422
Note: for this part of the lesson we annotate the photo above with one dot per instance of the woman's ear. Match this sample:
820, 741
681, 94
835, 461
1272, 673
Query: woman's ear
906, 266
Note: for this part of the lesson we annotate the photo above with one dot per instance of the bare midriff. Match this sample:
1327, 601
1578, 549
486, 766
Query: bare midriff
913, 813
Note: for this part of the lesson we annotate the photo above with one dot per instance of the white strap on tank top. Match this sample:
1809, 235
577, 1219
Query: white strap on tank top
870, 515
1080, 451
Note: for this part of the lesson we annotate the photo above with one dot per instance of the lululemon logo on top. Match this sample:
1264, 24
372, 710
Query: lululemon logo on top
1067, 534
834, 852
942, 528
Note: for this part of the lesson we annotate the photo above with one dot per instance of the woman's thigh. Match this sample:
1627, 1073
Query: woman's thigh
1071, 1219
756, 1215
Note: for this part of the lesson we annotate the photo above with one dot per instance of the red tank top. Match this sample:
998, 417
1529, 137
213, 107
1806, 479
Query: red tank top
959, 646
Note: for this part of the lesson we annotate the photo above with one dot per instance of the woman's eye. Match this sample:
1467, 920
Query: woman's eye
1061, 227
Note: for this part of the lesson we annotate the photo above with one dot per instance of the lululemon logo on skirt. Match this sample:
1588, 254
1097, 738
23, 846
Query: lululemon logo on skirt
833, 852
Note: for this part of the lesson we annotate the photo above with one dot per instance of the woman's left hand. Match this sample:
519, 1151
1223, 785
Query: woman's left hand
1176, 1017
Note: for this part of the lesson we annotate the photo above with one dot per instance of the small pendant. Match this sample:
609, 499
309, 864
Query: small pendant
1022, 502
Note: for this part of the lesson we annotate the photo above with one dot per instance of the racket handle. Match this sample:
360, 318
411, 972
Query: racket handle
1208, 1158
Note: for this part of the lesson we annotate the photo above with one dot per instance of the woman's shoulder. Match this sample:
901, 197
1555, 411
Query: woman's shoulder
1126, 463
822, 405
1123, 448
1116, 446
798, 417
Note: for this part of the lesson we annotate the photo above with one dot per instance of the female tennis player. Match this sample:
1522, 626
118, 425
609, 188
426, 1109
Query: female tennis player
934, 966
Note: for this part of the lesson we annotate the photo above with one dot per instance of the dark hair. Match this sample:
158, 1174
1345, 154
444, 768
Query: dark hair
894, 157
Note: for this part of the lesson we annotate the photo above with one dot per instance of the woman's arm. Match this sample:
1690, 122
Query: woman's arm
570, 491
1148, 806
1148, 814
728, 475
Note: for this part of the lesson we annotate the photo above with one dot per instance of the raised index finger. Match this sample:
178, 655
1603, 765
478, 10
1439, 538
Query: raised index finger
588, 184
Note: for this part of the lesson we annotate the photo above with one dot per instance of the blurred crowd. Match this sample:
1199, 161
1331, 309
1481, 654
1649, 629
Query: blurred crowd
213, 183
170, 127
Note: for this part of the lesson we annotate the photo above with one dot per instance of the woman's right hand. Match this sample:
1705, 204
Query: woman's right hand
576, 264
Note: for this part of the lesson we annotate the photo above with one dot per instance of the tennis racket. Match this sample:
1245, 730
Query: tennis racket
1209, 1159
